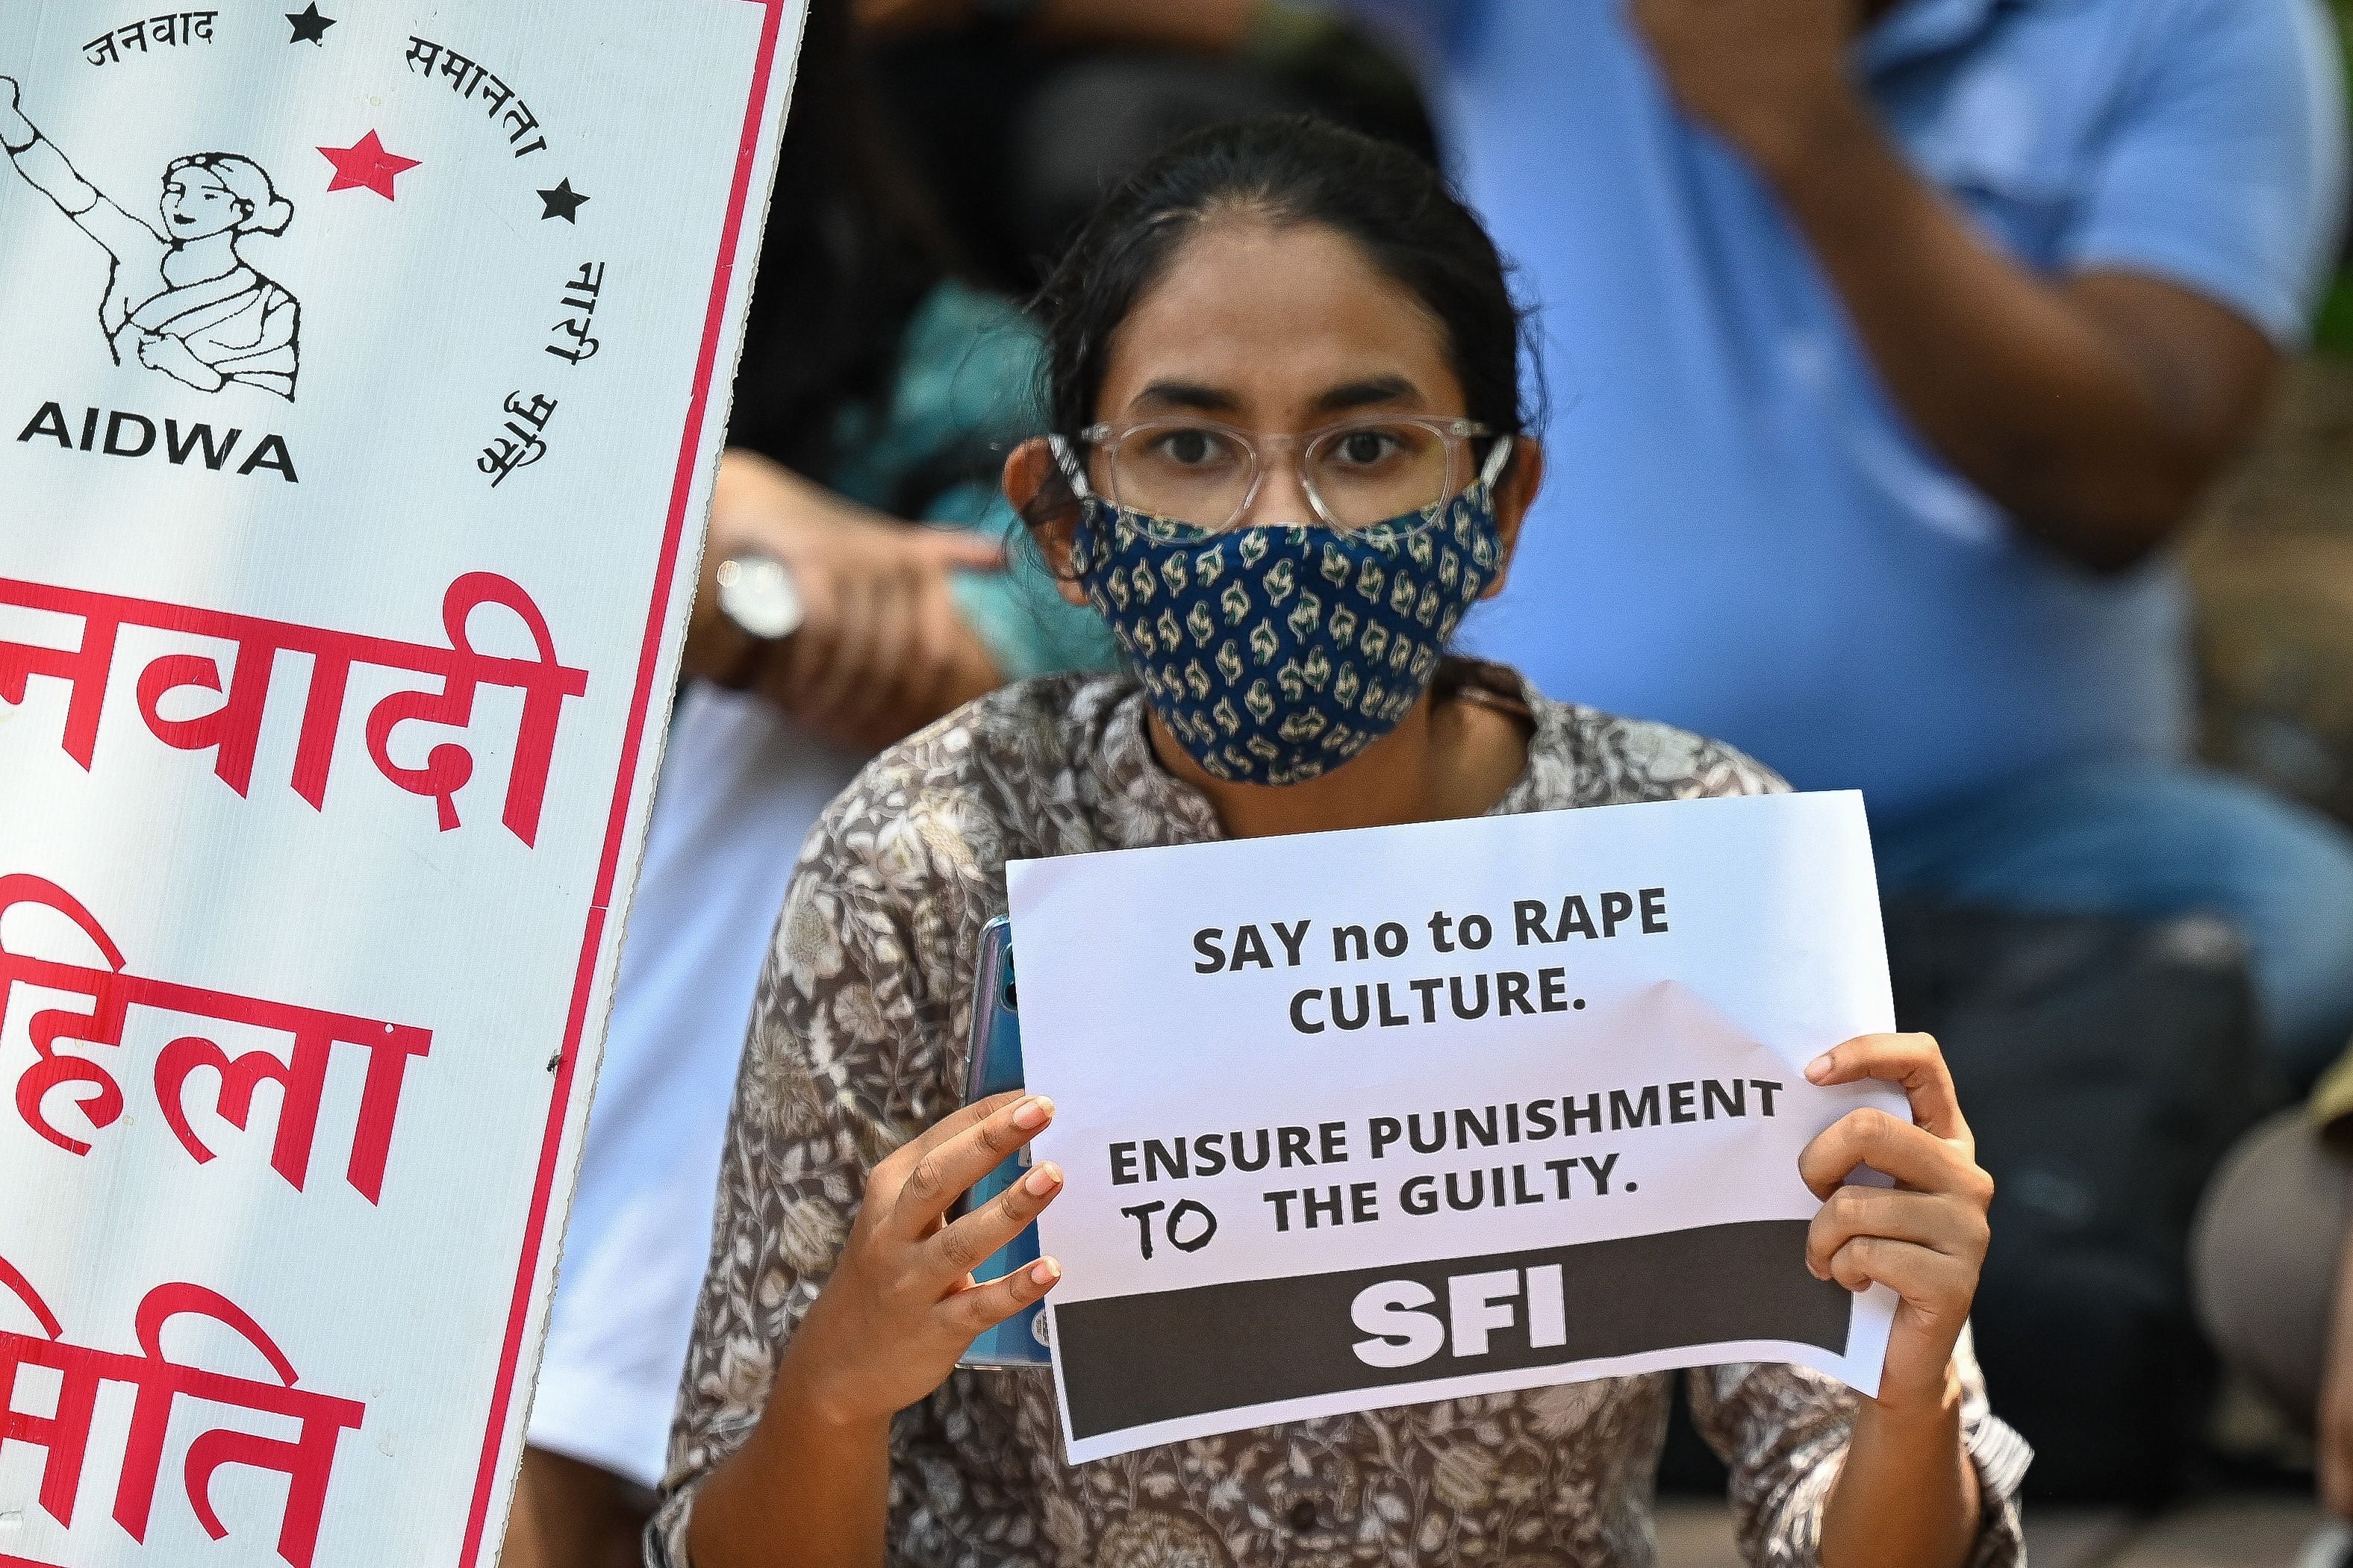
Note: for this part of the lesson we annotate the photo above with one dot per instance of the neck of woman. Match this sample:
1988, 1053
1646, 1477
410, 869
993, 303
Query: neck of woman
1444, 760
200, 260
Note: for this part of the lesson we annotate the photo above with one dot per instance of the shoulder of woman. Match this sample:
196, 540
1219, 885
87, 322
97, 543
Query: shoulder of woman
993, 759
1618, 759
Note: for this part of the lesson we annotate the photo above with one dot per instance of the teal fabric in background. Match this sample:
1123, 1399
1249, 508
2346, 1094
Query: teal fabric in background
964, 396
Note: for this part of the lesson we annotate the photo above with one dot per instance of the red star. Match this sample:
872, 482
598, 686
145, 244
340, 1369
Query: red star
365, 162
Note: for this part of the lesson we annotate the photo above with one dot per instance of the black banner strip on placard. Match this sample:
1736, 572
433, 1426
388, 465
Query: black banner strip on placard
1129, 1361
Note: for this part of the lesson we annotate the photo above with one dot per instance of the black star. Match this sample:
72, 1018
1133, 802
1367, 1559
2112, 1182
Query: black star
309, 27
562, 202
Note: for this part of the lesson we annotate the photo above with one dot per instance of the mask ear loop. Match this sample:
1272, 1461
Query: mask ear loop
1492, 468
1489, 472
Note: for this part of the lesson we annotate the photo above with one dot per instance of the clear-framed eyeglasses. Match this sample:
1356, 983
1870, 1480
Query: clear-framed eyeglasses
1356, 473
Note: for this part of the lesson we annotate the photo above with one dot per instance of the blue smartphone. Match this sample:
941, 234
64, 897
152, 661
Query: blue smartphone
995, 1066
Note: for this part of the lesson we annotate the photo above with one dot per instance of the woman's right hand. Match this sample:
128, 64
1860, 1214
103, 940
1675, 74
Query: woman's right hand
901, 1304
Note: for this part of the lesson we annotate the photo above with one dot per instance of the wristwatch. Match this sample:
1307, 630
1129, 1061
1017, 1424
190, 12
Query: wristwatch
757, 593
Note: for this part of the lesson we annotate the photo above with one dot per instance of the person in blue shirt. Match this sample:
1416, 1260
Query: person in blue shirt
1893, 343
1890, 343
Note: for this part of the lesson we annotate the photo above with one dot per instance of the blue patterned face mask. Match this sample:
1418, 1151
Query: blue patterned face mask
1276, 654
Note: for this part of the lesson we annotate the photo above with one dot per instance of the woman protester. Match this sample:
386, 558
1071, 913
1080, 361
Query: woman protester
874, 386
1280, 347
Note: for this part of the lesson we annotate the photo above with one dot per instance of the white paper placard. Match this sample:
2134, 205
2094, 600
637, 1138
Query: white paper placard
1408, 1113
363, 371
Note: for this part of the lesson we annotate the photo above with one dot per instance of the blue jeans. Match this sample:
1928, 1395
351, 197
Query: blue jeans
2151, 838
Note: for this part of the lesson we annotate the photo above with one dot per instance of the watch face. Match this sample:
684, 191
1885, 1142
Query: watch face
758, 593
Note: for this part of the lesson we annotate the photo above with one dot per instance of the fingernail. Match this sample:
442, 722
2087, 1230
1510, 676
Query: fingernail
1045, 1271
1033, 1113
1819, 1069
1814, 1272
1041, 1180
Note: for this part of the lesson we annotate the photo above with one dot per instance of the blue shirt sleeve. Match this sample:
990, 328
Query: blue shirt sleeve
2225, 169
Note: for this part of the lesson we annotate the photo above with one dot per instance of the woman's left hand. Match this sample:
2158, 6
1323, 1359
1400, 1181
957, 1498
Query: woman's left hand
1925, 1237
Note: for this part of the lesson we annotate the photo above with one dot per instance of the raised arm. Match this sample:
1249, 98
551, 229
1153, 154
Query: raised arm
2092, 406
46, 171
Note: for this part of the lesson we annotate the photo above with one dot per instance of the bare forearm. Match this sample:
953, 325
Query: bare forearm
2075, 424
803, 1492
1907, 1495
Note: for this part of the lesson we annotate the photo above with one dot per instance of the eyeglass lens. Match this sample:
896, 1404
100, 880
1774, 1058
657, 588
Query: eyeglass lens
1361, 473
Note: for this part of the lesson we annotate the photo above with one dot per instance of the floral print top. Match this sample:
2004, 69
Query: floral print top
857, 1042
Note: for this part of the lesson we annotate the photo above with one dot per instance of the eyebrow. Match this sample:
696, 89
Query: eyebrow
1191, 395
1205, 399
1363, 393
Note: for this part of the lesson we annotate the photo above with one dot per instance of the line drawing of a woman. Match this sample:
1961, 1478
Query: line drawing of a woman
179, 298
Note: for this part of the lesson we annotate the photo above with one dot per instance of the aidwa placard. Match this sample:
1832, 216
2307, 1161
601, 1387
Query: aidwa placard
1364, 1118
363, 371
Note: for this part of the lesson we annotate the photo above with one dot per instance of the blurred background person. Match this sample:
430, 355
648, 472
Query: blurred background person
2275, 1275
1896, 341
874, 386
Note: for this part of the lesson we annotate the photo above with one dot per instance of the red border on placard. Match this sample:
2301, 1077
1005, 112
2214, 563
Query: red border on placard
739, 202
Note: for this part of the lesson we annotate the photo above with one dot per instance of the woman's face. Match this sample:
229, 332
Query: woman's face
197, 207
1276, 329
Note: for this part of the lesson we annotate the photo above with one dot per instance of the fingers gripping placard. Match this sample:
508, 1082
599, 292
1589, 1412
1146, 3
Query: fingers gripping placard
1361, 1119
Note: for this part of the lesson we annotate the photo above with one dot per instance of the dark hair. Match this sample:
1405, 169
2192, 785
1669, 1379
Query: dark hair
1288, 169
851, 250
